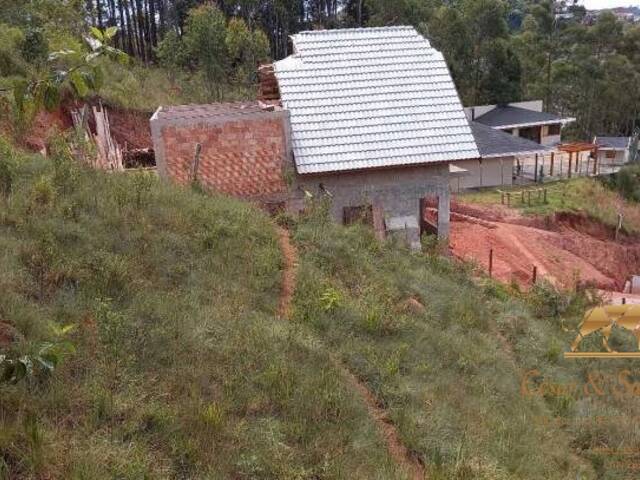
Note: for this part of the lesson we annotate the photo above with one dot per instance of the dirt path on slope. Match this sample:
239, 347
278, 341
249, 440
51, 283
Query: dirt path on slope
401, 455
290, 257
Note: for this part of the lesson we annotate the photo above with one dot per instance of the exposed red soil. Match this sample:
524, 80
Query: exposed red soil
45, 125
130, 129
8, 334
566, 248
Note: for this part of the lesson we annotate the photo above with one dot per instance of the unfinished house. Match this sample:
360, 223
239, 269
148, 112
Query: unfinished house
521, 119
369, 118
376, 122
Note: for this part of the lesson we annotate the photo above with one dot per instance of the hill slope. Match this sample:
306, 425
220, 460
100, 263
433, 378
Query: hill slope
179, 367
446, 355
160, 306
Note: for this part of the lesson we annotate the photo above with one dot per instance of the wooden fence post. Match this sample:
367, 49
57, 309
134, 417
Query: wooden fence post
534, 275
618, 226
570, 163
490, 262
551, 165
196, 163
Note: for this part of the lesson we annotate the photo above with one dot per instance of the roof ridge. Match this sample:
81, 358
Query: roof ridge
356, 30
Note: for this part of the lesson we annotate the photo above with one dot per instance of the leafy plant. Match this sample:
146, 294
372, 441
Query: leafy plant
330, 299
14, 368
66, 70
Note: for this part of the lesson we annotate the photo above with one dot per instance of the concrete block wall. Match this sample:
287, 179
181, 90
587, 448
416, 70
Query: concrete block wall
490, 172
244, 155
397, 191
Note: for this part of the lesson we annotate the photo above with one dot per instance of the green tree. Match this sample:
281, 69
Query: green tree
204, 39
246, 49
171, 52
539, 45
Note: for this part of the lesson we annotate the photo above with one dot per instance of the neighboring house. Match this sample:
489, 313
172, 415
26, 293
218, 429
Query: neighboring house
498, 154
613, 150
521, 119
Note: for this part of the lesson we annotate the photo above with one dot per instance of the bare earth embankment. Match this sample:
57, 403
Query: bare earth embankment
565, 248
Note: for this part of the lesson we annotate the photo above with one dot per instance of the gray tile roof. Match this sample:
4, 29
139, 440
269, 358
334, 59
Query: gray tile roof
509, 116
615, 143
371, 97
495, 143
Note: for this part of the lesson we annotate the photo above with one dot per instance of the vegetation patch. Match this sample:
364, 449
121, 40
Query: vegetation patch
450, 374
581, 195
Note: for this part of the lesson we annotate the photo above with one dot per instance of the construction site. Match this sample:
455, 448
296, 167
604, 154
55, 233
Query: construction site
566, 249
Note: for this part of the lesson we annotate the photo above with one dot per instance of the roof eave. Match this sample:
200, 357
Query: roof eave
516, 154
563, 121
380, 167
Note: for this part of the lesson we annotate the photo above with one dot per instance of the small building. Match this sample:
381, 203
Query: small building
521, 119
613, 150
499, 155
240, 148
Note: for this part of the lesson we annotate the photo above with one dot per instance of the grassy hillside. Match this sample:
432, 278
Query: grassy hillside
578, 195
145, 88
148, 315
451, 375
160, 305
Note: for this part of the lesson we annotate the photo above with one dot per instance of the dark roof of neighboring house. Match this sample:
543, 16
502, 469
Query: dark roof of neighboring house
616, 143
495, 143
509, 116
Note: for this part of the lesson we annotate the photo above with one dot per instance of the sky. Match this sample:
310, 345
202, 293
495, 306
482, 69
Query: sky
597, 4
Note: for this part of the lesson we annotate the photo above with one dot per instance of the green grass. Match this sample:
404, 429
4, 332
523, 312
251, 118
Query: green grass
145, 88
584, 195
451, 376
179, 367
160, 304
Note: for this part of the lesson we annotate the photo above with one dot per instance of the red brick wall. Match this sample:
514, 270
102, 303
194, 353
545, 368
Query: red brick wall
243, 157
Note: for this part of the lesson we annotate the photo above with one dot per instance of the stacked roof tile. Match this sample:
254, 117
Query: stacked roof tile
371, 97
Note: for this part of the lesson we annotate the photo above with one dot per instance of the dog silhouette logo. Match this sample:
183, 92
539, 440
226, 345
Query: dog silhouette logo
603, 320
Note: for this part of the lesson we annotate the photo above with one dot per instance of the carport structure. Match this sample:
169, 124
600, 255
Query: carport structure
574, 149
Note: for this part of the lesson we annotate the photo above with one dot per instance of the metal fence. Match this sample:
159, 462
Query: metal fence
559, 165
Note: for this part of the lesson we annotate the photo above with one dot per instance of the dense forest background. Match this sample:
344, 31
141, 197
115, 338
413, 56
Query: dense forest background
497, 50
